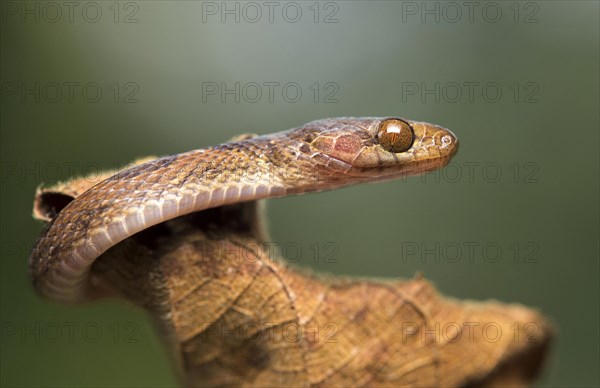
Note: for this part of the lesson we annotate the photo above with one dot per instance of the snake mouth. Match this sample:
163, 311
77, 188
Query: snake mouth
382, 174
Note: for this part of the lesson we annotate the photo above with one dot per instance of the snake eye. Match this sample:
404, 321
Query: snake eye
395, 135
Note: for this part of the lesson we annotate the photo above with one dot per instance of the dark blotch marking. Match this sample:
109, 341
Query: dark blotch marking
304, 148
347, 144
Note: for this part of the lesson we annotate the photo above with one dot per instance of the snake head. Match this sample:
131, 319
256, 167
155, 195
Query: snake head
381, 147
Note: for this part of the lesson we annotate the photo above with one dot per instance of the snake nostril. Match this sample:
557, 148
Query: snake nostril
449, 142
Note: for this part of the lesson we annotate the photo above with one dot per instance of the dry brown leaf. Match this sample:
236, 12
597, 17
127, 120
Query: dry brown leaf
232, 314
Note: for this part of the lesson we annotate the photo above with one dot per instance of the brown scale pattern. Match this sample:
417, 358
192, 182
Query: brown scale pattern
108, 201
146, 194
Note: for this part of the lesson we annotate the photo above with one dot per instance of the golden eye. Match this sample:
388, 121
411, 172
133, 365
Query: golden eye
395, 135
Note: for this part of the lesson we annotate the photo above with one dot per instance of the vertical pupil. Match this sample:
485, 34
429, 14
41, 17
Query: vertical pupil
393, 136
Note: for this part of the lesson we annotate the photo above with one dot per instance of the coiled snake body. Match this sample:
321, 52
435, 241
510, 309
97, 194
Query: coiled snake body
321, 155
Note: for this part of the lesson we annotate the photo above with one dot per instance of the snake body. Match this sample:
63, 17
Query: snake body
320, 155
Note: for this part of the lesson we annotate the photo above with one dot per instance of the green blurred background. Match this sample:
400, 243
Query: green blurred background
94, 85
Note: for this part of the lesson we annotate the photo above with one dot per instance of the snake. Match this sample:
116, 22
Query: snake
321, 155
